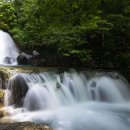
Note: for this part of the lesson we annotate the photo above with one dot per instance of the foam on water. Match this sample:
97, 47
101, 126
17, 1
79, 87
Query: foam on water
8, 50
74, 101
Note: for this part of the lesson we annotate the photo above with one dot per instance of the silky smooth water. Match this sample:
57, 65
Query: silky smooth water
75, 101
8, 49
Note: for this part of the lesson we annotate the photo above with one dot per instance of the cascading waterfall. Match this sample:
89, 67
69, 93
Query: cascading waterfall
8, 50
73, 100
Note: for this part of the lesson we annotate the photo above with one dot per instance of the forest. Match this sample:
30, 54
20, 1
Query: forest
64, 64
79, 33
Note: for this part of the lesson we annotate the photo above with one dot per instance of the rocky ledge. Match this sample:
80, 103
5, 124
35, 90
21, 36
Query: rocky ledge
23, 126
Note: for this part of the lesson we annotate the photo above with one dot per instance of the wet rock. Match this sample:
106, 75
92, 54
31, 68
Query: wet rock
2, 97
18, 87
9, 60
35, 54
1, 114
27, 59
4, 113
22, 60
23, 126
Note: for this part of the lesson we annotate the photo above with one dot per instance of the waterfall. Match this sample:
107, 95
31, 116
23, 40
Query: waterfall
8, 50
72, 100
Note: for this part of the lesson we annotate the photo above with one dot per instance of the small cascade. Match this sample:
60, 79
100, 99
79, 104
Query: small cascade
72, 100
70, 88
8, 50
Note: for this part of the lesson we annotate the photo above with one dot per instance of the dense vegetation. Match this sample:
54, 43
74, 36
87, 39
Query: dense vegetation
94, 33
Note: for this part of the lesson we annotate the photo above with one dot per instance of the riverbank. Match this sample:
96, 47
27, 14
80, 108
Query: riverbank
23, 126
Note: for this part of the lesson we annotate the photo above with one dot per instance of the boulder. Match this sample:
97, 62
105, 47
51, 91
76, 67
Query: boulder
18, 87
22, 60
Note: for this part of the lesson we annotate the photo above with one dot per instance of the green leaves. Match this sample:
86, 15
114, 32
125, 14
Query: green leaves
85, 30
7, 17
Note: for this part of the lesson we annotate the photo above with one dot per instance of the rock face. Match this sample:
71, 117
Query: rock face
23, 126
18, 87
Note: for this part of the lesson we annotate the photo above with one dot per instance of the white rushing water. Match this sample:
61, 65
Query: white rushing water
75, 101
8, 50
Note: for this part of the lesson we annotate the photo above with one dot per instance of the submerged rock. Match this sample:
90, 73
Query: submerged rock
9, 60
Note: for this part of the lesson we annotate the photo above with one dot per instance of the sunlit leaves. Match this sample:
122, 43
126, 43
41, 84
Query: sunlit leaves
83, 29
7, 17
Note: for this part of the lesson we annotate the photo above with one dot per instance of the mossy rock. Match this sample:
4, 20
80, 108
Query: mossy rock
23, 126
2, 92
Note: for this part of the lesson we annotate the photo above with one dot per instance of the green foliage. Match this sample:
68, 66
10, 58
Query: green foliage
86, 30
7, 17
